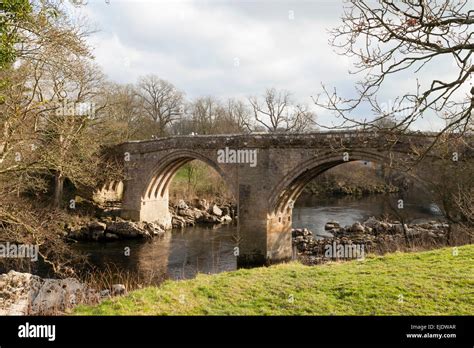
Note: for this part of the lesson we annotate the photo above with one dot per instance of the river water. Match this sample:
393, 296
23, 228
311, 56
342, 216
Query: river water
181, 254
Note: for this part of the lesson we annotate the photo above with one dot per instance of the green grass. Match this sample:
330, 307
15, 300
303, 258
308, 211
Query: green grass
424, 283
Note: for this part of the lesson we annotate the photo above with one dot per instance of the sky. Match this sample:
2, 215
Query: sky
227, 49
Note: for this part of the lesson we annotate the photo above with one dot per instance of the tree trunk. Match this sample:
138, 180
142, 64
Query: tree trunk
58, 190
405, 234
449, 233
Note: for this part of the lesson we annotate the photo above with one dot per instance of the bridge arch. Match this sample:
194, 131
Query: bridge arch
292, 184
162, 173
154, 195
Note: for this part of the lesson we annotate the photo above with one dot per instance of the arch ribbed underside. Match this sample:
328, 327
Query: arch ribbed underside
163, 174
289, 189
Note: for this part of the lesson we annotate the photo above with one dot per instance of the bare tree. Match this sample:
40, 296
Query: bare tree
208, 115
231, 117
162, 102
387, 38
45, 25
44, 131
238, 116
122, 114
204, 112
48, 117
464, 200
68, 141
447, 174
276, 112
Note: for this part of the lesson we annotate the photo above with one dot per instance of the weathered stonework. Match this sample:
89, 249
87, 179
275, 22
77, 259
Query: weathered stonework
265, 192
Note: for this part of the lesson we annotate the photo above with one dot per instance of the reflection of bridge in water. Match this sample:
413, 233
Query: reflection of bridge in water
177, 254
265, 190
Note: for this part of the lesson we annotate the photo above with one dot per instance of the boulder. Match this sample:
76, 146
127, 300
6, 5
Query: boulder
372, 222
307, 232
16, 291
105, 293
208, 218
334, 232
414, 232
181, 212
128, 229
118, 289
27, 294
226, 219
111, 236
154, 228
78, 232
197, 213
215, 210
296, 232
182, 205
331, 225
398, 228
57, 295
378, 227
178, 222
202, 204
439, 226
97, 226
95, 231
357, 227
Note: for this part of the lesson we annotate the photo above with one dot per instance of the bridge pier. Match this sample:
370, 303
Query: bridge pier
151, 210
264, 243
264, 238
156, 210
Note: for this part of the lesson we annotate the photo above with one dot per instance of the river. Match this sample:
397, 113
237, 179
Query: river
181, 254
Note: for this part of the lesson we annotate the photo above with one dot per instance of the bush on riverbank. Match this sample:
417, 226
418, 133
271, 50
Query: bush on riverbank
437, 282
354, 178
196, 179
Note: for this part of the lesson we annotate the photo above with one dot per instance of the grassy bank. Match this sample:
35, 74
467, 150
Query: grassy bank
425, 283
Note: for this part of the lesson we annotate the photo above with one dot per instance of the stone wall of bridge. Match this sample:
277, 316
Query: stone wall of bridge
265, 190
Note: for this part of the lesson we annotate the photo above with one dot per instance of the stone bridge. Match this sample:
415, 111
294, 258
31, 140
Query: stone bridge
272, 171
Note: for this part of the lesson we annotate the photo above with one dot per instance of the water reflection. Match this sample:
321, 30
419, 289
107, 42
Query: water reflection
179, 254
313, 212
184, 253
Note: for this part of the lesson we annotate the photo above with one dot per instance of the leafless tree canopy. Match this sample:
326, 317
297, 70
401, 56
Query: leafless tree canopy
276, 112
162, 102
49, 27
209, 115
406, 37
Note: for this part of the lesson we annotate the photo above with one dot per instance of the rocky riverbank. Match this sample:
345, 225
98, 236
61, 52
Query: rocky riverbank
108, 229
341, 188
27, 294
201, 212
372, 236
183, 214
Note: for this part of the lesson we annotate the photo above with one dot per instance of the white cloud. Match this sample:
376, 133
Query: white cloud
195, 44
